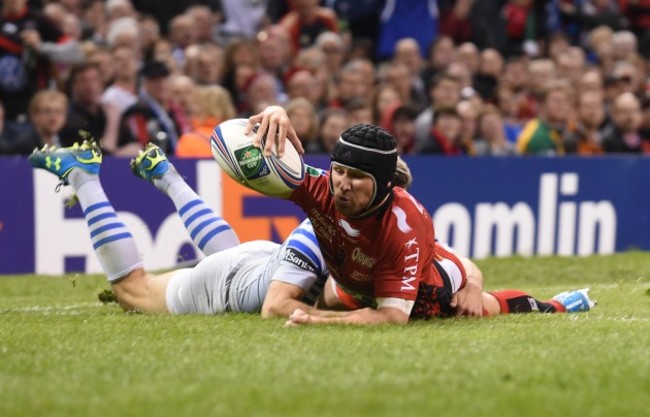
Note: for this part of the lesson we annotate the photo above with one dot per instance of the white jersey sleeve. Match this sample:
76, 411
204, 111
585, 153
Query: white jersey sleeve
301, 262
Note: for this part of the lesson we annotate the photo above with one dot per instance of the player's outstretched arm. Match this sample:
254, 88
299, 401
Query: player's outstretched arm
275, 125
282, 299
366, 316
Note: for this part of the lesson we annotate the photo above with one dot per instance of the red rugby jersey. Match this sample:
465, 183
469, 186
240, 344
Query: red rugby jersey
383, 255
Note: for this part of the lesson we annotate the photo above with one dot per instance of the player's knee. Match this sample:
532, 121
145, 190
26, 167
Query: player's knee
131, 291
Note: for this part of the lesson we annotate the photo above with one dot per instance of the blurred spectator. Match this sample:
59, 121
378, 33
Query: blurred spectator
385, 96
275, 53
469, 55
162, 52
204, 21
183, 94
154, 117
238, 52
124, 31
508, 105
441, 55
400, 121
366, 70
349, 85
204, 63
522, 22
544, 135
628, 77
622, 135
103, 58
94, 22
541, 71
149, 34
407, 52
122, 93
314, 60
359, 111
397, 75
444, 135
468, 113
587, 139
29, 44
444, 92
416, 19
303, 117
243, 19
182, 34
591, 80
84, 111
455, 22
212, 105
487, 78
491, 139
260, 91
624, 45
332, 45
301, 83
515, 78
47, 114
333, 123
306, 21
571, 64
117, 9
460, 71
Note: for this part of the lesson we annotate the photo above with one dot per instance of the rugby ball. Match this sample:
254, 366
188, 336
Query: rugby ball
245, 163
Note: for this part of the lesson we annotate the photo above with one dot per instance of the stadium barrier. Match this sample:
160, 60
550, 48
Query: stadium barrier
481, 206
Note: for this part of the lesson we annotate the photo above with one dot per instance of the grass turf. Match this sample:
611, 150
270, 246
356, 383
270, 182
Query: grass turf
62, 353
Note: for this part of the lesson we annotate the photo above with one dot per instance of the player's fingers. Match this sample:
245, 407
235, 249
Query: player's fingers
282, 136
261, 130
271, 137
295, 140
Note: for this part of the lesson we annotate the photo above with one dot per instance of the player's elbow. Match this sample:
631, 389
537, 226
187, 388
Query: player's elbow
272, 310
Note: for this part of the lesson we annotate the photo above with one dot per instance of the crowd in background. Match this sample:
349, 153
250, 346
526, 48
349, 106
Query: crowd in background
451, 77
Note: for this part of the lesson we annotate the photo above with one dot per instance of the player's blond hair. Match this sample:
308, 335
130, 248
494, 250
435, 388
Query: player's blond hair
403, 176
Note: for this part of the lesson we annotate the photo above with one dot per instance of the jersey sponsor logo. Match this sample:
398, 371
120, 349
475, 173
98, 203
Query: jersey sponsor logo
411, 268
349, 229
323, 225
299, 259
400, 216
362, 259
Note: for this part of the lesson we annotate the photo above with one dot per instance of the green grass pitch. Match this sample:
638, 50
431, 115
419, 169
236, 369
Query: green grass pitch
62, 353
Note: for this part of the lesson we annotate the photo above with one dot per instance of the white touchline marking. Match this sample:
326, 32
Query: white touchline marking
45, 309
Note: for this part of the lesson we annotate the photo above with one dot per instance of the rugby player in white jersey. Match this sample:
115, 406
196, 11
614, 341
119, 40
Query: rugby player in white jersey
249, 277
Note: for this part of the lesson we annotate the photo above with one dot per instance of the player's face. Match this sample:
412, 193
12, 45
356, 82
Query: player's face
353, 190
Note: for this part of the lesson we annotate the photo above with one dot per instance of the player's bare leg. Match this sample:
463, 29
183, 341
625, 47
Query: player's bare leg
78, 166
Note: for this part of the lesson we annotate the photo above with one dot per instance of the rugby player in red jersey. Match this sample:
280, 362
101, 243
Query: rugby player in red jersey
377, 240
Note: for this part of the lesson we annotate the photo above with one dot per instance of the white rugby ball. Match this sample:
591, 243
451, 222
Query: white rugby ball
246, 164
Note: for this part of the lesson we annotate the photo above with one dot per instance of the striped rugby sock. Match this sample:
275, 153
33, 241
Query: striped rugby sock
209, 232
112, 241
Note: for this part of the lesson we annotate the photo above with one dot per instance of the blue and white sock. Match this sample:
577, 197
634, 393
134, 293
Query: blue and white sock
112, 241
209, 232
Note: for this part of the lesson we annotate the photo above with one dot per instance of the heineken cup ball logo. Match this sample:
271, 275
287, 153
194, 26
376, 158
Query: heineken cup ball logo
250, 160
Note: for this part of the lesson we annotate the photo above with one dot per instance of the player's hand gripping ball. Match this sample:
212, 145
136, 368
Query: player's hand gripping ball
246, 164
